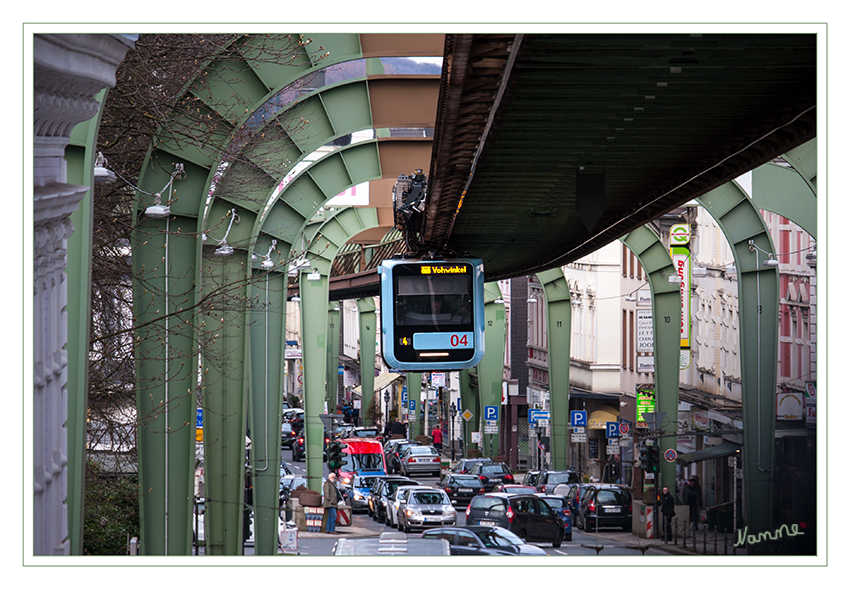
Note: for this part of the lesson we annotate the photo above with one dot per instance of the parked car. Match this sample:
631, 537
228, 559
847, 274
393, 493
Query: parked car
425, 508
514, 489
561, 506
492, 473
574, 496
461, 488
298, 446
394, 451
381, 491
606, 506
547, 480
287, 435
527, 516
464, 465
394, 502
484, 540
361, 486
530, 478
420, 460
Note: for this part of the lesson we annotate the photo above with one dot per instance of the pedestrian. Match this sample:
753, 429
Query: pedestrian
693, 499
437, 438
330, 500
668, 510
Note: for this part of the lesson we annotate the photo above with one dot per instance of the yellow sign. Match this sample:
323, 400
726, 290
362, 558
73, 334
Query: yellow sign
199, 434
442, 269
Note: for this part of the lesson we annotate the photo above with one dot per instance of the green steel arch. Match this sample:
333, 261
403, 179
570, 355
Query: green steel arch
790, 192
165, 460
758, 296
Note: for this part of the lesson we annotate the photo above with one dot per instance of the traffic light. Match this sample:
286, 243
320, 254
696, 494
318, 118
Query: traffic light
334, 456
653, 459
644, 458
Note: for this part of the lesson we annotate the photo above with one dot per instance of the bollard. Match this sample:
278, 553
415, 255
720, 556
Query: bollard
725, 541
715, 540
705, 540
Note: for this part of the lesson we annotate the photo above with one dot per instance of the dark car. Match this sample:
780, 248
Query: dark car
380, 493
492, 473
484, 540
527, 516
606, 506
464, 465
547, 480
561, 506
461, 488
298, 447
395, 452
574, 496
530, 478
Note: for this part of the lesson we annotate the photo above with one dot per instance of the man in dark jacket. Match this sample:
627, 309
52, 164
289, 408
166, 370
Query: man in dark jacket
668, 510
330, 500
693, 499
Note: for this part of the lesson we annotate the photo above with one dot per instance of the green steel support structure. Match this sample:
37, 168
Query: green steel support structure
469, 400
333, 357
491, 367
414, 391
80, 157
368, 321
666, 316
758, 308
559, 314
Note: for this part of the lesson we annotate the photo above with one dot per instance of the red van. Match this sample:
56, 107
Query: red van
361, 456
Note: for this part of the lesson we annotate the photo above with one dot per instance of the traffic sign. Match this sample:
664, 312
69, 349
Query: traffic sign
411, 405
670, 455
578, 438
491, 429
624, 428
491, 412
612, 429
404, 395
578, 418
467, 415
536, 414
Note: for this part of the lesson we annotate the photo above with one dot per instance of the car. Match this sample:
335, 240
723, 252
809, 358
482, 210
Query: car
547, 480
561, 506
394, 451
380, 493
461, 488
394, 501
342, 431
530, 478
426, 508
287, 435
492, 473
484, 540
606, 506
514, 489
527, 516
420, 460
298, 451
359, 489
364, 432
574, 496
464, 465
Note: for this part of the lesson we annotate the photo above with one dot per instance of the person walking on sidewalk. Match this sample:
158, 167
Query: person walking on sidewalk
668, 510
330, 500
437, 437
693, 498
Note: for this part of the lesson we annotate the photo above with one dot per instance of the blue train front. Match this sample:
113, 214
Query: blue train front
432, 313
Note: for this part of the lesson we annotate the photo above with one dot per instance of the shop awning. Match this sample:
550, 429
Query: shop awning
710, 453
381, 382
601, 415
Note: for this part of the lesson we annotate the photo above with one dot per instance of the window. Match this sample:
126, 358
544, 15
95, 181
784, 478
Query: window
465, 538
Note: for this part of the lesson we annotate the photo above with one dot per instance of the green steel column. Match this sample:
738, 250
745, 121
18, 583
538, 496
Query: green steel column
559, 314
79, 156
666, 316
166, 378
491, 367
314, 335
225, 400
333, 356
414, 390
265, 357
368, 334
783, 191
758, 308
468, 400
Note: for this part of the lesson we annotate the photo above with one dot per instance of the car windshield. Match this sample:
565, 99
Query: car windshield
520, 490
498, 537
422, 450
558, 477
612, 497
393, 485
467, 480
491, 503
361, 482
555, 502
430, 498
351, 462
493, 469
365, 433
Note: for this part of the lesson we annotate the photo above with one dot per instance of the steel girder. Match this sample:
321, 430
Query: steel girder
790, 192
758, 308
219, 101
492, 365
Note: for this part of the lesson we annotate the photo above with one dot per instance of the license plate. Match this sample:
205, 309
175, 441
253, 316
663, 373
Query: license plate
432, 519
496, 480
486, 523
464, 490
612, 510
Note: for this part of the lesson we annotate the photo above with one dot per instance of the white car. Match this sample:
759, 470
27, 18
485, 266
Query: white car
397, 498
426, 507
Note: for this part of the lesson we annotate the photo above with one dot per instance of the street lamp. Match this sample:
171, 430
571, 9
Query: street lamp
453, 413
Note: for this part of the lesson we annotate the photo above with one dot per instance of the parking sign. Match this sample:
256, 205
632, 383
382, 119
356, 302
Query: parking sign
491, 412
612, 429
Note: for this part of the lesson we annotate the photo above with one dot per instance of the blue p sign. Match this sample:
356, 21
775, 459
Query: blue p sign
612, 429
411, 405
491, 412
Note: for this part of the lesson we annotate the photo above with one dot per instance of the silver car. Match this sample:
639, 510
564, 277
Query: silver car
394, 503
426, 508
420, 459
